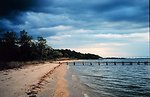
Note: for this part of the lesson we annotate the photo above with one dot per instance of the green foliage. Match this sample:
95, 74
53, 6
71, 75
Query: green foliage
23, 48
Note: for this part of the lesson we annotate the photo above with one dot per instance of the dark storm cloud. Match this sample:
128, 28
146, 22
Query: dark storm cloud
124, 10
113, 5
81, 13
110, 10
12, 12
11, 8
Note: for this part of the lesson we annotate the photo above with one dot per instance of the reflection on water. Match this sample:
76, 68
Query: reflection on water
115, 80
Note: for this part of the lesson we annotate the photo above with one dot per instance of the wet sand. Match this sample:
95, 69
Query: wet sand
74, 86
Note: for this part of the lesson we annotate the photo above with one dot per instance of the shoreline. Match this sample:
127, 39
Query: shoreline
74, 86
55, 79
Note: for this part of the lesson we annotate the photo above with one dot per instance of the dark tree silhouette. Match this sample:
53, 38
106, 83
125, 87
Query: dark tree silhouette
41, 45
8, 46
24, 48
25, 43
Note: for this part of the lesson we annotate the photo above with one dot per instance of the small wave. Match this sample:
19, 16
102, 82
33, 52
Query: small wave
147, 78
115, 81
95, 76
133, 87
87, 86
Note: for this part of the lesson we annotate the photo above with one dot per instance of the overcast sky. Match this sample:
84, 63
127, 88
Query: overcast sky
103, 27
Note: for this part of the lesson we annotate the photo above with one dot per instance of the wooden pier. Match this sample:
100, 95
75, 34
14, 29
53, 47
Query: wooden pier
107, 63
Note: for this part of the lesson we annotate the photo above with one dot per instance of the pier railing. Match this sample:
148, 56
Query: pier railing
107, 63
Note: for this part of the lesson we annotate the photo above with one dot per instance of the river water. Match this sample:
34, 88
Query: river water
113, 80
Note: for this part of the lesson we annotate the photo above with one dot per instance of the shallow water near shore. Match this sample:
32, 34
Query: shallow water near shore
113, 80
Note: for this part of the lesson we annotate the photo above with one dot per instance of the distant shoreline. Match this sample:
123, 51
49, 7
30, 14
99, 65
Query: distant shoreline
126, 58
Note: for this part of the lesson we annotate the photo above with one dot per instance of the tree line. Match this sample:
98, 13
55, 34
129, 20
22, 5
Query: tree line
22, 47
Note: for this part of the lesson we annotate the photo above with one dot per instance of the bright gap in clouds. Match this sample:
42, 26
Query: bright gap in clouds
106, 45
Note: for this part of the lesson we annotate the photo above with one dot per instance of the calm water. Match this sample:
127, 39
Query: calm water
114, 80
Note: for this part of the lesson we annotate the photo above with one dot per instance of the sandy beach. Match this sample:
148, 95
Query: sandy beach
41, 80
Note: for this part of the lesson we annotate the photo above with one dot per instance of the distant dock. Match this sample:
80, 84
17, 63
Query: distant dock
107, 63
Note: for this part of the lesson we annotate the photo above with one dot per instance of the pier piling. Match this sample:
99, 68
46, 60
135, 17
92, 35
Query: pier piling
107, 63
145, 63
90, 63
